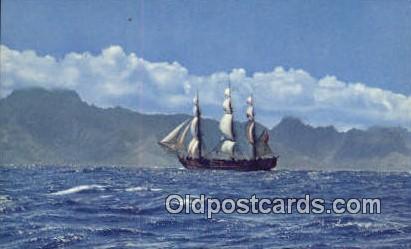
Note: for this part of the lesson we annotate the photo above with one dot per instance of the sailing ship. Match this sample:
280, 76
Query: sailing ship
225, 156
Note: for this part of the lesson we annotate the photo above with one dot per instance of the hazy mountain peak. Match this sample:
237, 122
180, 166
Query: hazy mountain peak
38, 93
291, 121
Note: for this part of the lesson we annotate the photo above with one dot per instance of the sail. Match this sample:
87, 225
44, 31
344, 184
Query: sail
194, 127
250, 132
228, 147
227, 105
226, 126
250, 100
196, 108
227, 92
250, 112
170, 140
262, 146
182, 137
193, 148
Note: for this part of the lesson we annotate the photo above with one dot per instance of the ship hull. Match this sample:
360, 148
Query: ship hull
220, 164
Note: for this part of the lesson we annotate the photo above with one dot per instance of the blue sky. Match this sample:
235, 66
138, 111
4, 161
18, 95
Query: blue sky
355, 41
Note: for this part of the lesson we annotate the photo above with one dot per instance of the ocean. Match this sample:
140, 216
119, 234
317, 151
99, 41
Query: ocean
110, 207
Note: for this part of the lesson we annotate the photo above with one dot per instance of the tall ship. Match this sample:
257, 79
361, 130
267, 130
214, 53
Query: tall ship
225, 155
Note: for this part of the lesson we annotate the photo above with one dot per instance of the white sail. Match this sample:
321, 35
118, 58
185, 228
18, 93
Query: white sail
193, 147
175, 140
194, 127
226, 125
250, 100
227, 92
191, 144
250, 132
227, 105
182, 137
171, 138
250, 112
228, 147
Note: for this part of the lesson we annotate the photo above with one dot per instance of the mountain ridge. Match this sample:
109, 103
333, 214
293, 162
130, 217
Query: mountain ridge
56, 127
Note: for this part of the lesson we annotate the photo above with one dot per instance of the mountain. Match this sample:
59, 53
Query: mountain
377, 148
314, 142
40, 126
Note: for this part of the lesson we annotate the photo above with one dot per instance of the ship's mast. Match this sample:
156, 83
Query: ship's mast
175, 139
260, 147
227, 124
198, 115
231, 106
195, 145
251, 137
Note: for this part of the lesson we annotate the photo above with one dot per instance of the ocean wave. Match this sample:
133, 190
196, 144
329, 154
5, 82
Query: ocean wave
112, 207
141, 188
4, 199
363, 225
372, 228
136, 189
63, 240
121, 231
78, 189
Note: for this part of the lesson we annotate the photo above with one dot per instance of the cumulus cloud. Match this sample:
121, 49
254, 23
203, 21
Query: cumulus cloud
116, 78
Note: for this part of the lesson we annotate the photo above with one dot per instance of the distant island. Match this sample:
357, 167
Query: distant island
48, 127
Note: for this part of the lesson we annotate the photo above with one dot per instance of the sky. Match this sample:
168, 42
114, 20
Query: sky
342, 63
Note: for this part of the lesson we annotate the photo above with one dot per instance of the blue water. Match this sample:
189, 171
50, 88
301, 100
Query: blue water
106, 207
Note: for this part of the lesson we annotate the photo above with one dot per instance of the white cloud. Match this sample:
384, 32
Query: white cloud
114, 77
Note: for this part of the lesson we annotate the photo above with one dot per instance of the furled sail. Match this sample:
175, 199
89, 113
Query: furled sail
262, 147
171, 140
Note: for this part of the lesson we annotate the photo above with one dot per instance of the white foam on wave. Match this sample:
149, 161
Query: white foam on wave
4, 199
136, 189
141, 188
365, 225
78, 189
372, 225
